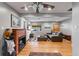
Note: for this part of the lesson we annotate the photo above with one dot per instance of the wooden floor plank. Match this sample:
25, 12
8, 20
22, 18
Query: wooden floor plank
47, 46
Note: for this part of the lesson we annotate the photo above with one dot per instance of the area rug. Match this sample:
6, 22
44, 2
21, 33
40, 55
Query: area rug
44, 54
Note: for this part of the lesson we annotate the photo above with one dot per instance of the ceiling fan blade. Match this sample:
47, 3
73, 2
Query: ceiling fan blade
47, 5
70, 9
37, 10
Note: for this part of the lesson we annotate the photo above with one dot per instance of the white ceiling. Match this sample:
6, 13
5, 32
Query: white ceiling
45, 18
60, 7
59, 13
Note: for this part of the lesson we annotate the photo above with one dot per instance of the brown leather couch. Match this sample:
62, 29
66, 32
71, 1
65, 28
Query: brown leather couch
58, 38
42, 38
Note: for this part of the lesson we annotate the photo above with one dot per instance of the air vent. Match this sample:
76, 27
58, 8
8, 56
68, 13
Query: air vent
70, 9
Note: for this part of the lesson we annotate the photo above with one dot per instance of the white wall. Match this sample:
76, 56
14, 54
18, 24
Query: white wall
5, 18
27, 31
46, 30
5, 13
75, 29
22, 22
65, 27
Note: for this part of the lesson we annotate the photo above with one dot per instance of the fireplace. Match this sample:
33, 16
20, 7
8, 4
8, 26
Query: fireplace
20, 39
22, 42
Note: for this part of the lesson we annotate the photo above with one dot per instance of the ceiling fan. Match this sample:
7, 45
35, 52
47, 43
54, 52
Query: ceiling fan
44, 5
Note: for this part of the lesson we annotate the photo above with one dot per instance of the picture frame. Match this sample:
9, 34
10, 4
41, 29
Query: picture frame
15, 21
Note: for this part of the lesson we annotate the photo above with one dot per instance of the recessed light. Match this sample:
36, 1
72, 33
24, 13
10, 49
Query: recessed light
26, 8
49, 8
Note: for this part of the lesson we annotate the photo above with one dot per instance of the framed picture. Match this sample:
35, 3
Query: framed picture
15, 21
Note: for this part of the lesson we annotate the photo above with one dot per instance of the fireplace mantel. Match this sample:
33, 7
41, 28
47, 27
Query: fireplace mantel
17, 34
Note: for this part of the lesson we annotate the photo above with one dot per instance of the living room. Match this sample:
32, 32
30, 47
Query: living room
47, 35
42, 31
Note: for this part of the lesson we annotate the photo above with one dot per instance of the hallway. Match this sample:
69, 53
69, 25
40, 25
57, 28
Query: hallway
46, 46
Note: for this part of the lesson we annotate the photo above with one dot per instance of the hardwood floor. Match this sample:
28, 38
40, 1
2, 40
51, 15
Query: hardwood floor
47, 46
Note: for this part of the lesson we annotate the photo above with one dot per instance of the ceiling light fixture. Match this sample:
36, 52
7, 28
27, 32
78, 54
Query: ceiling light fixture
26, 8
49, 8
38, 6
